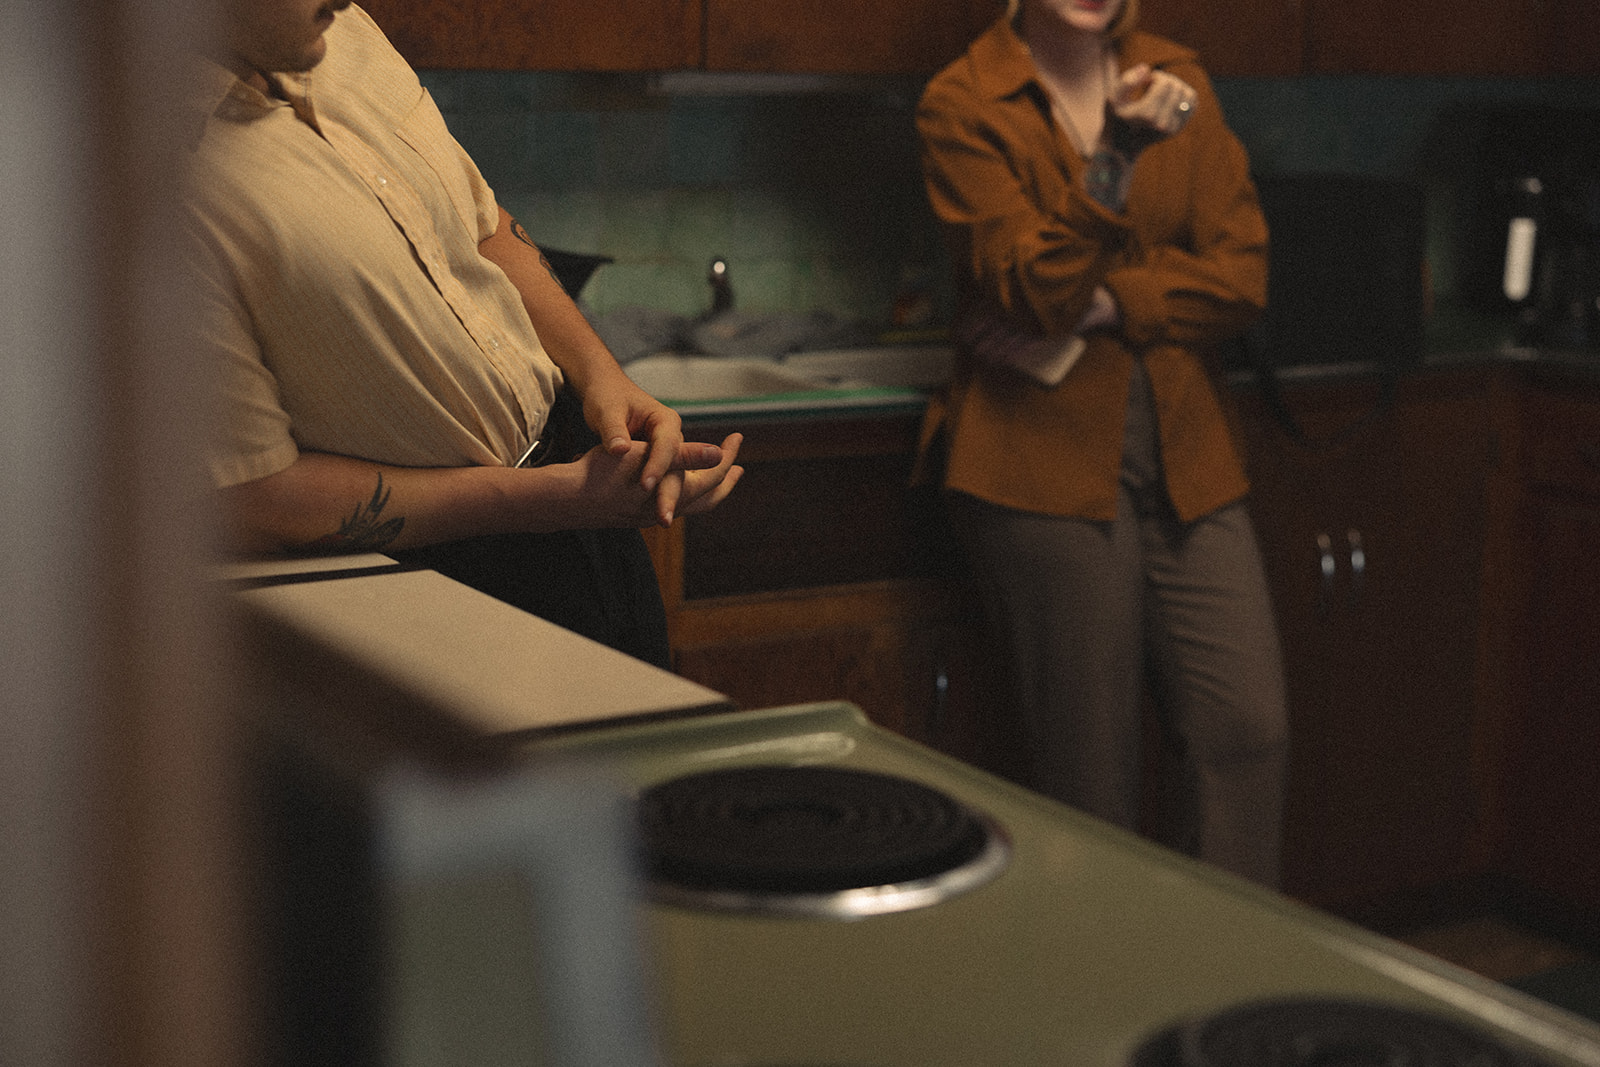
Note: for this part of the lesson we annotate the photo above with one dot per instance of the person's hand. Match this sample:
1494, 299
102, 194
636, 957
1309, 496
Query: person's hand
691, 489
607, 490
1146, 106
623, 414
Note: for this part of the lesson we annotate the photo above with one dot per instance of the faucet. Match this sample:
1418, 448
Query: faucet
721, 287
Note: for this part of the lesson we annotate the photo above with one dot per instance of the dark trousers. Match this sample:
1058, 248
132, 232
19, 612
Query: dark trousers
1089, 613
597, 583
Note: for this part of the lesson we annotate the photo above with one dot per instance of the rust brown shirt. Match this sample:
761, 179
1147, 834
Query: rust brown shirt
1186, 263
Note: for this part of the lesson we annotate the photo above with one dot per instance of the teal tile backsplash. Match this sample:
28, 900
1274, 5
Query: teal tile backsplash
815, 199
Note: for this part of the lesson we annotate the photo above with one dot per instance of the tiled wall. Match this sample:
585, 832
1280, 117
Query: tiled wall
814, 199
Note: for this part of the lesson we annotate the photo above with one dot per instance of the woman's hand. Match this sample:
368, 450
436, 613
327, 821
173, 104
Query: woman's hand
1146, 106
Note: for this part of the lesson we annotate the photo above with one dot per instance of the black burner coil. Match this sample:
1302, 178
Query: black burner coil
1321, 1032
802, 830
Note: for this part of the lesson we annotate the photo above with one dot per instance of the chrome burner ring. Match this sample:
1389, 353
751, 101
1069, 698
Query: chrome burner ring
821, 842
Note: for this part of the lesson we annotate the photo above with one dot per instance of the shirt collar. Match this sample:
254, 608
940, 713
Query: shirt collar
215, 92
1002, 64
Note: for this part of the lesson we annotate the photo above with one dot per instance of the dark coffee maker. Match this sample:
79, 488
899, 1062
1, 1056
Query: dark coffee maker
1533, 250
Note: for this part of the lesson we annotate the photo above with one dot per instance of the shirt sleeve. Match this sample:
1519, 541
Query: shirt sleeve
1186, 261
1206, 280
1029, 238
247, 433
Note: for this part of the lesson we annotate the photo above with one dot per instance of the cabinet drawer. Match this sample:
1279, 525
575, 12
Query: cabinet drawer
824, 502
1562, 444
804, 523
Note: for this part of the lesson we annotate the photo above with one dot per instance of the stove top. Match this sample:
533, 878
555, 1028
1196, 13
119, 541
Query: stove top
1074, 944
1324, 1032
818, 841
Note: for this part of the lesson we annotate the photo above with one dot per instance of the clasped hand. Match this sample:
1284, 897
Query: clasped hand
614, 484
644, 473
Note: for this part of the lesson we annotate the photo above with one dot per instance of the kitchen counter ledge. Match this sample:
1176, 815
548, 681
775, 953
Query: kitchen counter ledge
826, 405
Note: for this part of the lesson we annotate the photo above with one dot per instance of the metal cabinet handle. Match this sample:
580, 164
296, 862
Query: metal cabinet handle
941, 700
1358, 562
1330, 571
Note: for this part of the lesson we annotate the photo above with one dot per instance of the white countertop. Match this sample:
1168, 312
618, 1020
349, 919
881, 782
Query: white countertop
487, 666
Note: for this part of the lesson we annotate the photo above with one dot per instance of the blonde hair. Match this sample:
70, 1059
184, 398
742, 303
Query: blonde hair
1127, 16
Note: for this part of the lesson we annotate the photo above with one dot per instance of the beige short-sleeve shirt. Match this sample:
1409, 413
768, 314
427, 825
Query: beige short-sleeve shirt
337, 267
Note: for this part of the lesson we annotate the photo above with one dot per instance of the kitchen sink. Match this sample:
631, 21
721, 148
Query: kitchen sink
827, 378
672, 377
922, 367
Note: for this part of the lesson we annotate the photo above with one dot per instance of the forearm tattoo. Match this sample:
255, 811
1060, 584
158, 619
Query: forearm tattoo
366, 530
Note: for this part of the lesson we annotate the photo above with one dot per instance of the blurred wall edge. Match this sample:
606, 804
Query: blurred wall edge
119, 897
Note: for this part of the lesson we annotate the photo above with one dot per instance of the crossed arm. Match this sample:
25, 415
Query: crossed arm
642, 474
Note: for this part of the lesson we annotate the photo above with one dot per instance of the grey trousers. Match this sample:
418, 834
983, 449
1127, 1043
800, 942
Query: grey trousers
1091, 615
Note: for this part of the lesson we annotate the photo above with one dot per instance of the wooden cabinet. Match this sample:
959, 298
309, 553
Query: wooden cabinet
1573, 36
1247, 37
1542, 743
611, 35
1434, 558
812, 36
823, 577
1373, 539
1441, 37
842, 36
1274, 38
1424, 37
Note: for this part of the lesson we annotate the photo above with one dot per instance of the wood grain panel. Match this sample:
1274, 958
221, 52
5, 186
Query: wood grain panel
1574, 38
1379, 658
579, 35
1506, 37
1245, 37
842, 36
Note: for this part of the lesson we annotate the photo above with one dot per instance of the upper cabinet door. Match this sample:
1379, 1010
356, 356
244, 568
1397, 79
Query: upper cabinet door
1240, 37
1574, 37
543, 34
1439, 37
842, 36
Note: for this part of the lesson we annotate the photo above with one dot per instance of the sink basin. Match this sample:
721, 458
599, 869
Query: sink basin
921, 367
806, 381
672, 378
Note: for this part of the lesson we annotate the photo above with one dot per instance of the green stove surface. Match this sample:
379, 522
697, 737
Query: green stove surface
1088, 943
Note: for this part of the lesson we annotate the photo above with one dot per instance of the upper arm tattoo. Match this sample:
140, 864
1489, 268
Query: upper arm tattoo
522, 235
